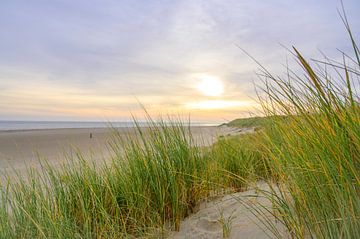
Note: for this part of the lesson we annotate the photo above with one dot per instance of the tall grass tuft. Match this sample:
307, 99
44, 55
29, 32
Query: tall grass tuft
315, 149
240, 160
160, 175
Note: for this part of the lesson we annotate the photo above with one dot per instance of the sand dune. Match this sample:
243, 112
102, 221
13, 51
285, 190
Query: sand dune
230, 210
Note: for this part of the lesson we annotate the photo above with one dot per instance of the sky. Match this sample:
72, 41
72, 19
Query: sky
107, 59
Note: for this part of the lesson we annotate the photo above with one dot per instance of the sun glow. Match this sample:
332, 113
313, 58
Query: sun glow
210, 86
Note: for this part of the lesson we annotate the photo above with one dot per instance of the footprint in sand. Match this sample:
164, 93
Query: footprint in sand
208, 225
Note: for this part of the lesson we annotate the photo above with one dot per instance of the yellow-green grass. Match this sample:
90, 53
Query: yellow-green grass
315, 150
153, 182
240, 160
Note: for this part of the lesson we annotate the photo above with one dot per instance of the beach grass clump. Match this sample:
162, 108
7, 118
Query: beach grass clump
154, 180
240, 160
315, 152
75, 201
161, 175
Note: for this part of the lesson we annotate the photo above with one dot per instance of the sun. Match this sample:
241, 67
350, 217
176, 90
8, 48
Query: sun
210, 86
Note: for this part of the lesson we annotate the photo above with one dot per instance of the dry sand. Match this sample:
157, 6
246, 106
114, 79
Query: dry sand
235, 210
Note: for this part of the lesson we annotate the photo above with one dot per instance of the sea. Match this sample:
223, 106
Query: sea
34, 125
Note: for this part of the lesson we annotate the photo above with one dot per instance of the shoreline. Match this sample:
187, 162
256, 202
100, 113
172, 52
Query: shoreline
105, 126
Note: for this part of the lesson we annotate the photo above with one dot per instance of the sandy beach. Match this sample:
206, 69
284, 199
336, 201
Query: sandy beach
20, 149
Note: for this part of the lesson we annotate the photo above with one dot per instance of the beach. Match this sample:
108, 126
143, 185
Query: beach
20, 149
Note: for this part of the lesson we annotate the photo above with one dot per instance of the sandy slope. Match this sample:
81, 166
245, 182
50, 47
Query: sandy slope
206, 223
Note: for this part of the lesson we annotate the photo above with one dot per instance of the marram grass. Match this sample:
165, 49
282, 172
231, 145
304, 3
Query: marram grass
314, 149
154, 180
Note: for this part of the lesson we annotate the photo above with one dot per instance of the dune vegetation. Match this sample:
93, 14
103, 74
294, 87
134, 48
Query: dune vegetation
307, 149
154, 181
313, 150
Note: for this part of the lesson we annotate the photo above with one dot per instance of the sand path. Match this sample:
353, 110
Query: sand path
231, 209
